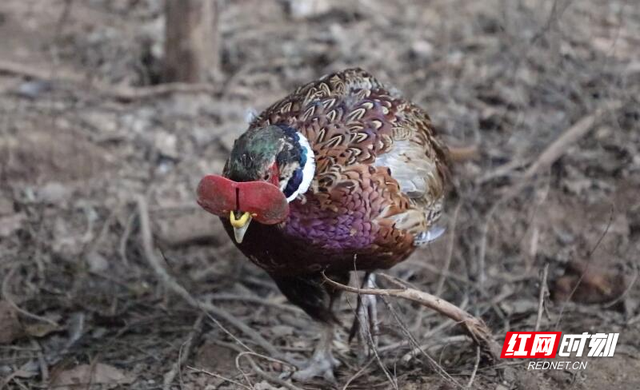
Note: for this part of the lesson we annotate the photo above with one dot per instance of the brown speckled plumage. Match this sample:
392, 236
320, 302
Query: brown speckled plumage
380, 169
344, 174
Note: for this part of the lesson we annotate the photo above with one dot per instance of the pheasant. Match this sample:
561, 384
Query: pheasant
342, 175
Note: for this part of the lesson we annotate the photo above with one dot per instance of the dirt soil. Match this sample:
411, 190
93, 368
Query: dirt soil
86, 137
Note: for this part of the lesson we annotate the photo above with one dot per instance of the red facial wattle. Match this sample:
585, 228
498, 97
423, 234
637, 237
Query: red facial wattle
263, 200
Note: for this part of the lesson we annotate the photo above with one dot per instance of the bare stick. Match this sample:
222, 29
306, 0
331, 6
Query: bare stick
475, 327
256, 300
475, 369
219, 377
542, 295
7, 297
569, 137
124, 239
127, 94
182, 357
407, 333
42, 362
357, 374
270, 378
545, 160
22, 70
261, 372
120, 93
171, 284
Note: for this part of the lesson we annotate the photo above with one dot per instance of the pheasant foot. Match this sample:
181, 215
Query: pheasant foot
322, 363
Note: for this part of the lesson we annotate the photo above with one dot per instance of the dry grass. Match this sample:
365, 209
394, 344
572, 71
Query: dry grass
84, 134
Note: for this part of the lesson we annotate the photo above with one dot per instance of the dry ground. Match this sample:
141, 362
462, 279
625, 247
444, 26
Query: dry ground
78, 147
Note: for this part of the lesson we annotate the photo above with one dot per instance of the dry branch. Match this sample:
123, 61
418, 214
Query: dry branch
8, 297
568, 138
475, 327
182, 357
544, 292
544, 161
168, 281
120, 93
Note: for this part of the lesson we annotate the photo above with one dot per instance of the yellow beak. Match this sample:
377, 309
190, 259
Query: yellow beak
240, 225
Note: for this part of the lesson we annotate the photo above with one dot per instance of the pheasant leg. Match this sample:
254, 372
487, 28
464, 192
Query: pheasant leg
322, 362
366, 321
316, 298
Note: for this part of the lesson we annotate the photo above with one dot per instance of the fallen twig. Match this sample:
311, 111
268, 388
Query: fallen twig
544, 291
475, 369
171, 284
122, 248
213, 374
121, 93
545, 160
407, 333
569, 137
182, 357
357, 374
9, 298
256, 300
475, 327
42, 362
127, 94
263, 374
270, 378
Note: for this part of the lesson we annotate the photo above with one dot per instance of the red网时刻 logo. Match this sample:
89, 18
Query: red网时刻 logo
548, 345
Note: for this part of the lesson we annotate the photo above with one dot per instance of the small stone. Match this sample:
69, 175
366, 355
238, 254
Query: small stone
422, 49
167, 144
33, 89
301, 9
281, 330
52, 193
97, 262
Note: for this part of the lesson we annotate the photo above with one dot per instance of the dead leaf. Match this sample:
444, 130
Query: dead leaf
10, 327
215, 358
302, 9
592, 283
40, 329
79, 377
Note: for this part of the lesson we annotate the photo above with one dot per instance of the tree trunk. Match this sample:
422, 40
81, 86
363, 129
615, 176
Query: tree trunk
191, 41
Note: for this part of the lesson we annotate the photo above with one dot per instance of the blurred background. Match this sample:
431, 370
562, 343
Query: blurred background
114, 109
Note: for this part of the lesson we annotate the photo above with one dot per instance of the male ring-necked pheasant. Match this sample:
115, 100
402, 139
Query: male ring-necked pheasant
343, 174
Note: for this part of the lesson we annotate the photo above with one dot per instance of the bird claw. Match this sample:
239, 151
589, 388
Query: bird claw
321, 364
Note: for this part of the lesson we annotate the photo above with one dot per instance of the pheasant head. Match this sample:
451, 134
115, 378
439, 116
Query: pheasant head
268, 168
